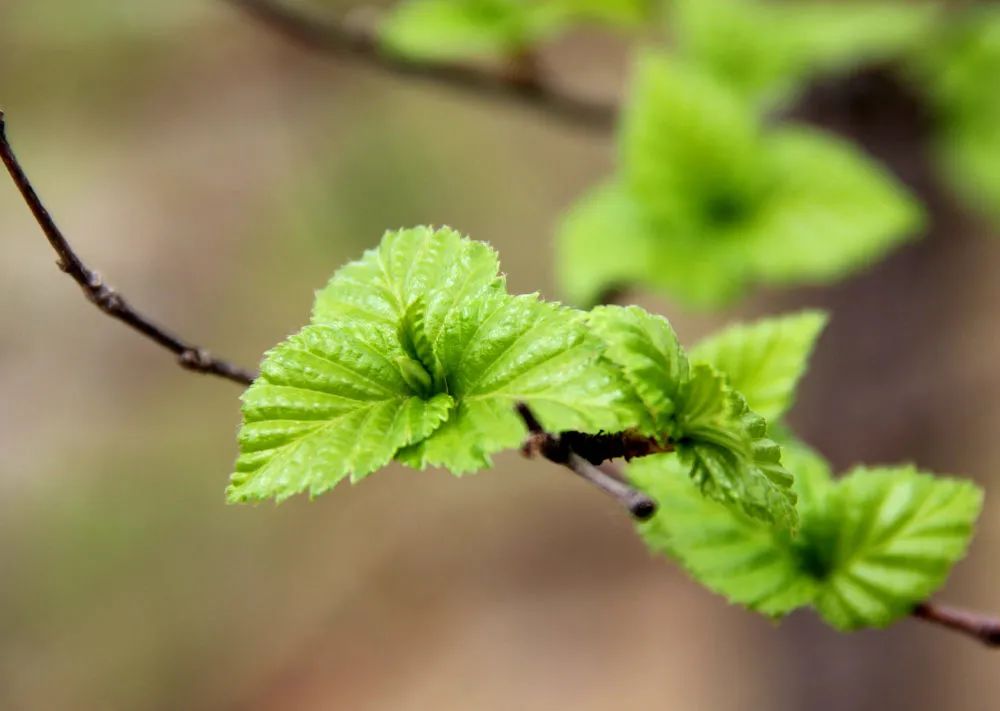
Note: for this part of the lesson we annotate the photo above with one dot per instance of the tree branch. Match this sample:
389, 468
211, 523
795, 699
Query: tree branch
361, 45
556, 449
103, 296
979, 627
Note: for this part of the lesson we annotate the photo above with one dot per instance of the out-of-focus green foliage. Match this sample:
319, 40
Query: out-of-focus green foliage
766, 49
960, 71
454, 29
709, 201
869, 546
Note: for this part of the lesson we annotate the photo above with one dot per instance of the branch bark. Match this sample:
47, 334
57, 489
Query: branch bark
973, 624
362, 46
556, 449
103, 296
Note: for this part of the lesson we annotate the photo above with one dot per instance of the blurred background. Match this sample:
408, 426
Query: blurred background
217, 174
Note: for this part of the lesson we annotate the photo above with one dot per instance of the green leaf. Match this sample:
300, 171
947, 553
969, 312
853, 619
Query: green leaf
869, 546
831, 211
585, 267
767, 50
330, 402
748, 561
900, 532
652, 362
501, 350
455, 29
417, 352
725, 447
459, 29
707, 201
956, 71
764, 360
690, 149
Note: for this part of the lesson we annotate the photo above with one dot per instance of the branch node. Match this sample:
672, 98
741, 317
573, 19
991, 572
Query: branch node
558, 450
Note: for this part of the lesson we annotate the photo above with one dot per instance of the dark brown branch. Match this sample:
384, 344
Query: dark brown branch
556, 449
979, 627
361, 45
101, 294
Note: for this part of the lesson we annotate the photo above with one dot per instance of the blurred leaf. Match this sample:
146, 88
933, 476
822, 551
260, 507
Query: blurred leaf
831, 210
960, 73
457, 29
708, 201
764, 360
766, 49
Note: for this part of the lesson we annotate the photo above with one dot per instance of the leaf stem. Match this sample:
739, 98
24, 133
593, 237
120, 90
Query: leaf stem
980, 627
362, 45
557, 450
103, 296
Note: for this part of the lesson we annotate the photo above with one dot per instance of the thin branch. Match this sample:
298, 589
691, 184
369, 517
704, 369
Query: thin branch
975, 625
556, 450
362, 45
104, 297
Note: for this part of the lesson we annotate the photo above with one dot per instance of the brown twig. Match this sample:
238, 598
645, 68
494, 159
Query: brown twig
101, 294
556, 450
362, 45
979, 627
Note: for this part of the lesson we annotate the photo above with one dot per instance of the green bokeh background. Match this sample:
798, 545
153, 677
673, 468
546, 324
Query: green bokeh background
217, 175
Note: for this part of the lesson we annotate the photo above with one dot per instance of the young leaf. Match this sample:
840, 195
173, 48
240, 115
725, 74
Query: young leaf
646, 349
765, 359
958, 71
459, 29
417, 352
718, 202
899, 533
331, 401
766, 49
869, 547
749, 562
831, 211
726, 450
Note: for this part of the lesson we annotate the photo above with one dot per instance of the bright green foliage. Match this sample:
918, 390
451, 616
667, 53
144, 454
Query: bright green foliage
960, 72
721, 443
456, 29
416, 351
870, 546
764, 360
714, 201
766, 49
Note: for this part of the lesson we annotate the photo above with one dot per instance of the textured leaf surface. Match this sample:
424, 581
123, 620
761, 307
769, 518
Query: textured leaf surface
749, 562
764, 360
869, 547
899, 533
417, 352
830, 211
329, 403
726, 450
646, 350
